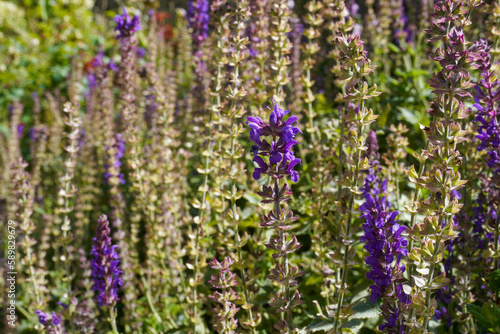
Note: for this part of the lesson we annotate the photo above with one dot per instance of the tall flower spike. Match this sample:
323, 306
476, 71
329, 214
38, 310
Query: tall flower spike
23, 191
104, 265
67, 190
105, 272
451, 88
274, 142
487, 104
488, 109
198, 19
354, 66
384, 242
132, 127
225, 311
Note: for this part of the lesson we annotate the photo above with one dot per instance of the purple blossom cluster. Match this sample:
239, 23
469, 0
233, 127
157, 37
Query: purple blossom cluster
279, 149
224, 321
104, 265
99, 61
198, 19
126, 26
482, 215
487, 106
52, 324
384, 242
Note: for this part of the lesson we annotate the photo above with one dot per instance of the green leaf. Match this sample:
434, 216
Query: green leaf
416, 73
365, 311
409, 115
477, 313
252, 198
487, 316
353, 326
493, 279
394, 48
319, 324
382, 119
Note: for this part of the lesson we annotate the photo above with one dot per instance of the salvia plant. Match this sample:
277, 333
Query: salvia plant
235, 166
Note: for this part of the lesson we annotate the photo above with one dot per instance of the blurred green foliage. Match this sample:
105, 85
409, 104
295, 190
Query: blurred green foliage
39, 39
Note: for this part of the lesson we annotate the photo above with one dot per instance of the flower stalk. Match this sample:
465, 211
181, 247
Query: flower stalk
354, 66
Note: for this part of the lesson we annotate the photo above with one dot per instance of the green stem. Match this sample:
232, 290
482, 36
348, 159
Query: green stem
282, 235
112, 320
349, 223
149, 297
497, 232
437, 246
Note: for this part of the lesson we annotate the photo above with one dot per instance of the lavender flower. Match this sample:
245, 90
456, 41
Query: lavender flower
52, 324
482, 214
126, 26
384, 242
487, 104
281, 164
104, 266
225, 311
281, 158
198, 19
387, 247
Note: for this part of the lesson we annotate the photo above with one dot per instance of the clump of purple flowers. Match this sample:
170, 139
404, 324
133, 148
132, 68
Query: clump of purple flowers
281, 157
198, 19
487, 97
51, 324
384, 242
281, 164
104, 265
126, 26
225, 311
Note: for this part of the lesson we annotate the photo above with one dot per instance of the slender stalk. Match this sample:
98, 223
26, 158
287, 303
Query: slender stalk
112, 320
349, 223
285, 260
150, 301
497, 234
430, 277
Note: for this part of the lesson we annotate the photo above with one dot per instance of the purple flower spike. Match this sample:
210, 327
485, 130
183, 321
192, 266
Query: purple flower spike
104, 265
384, 242
280, 149
126, 26
198, 19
